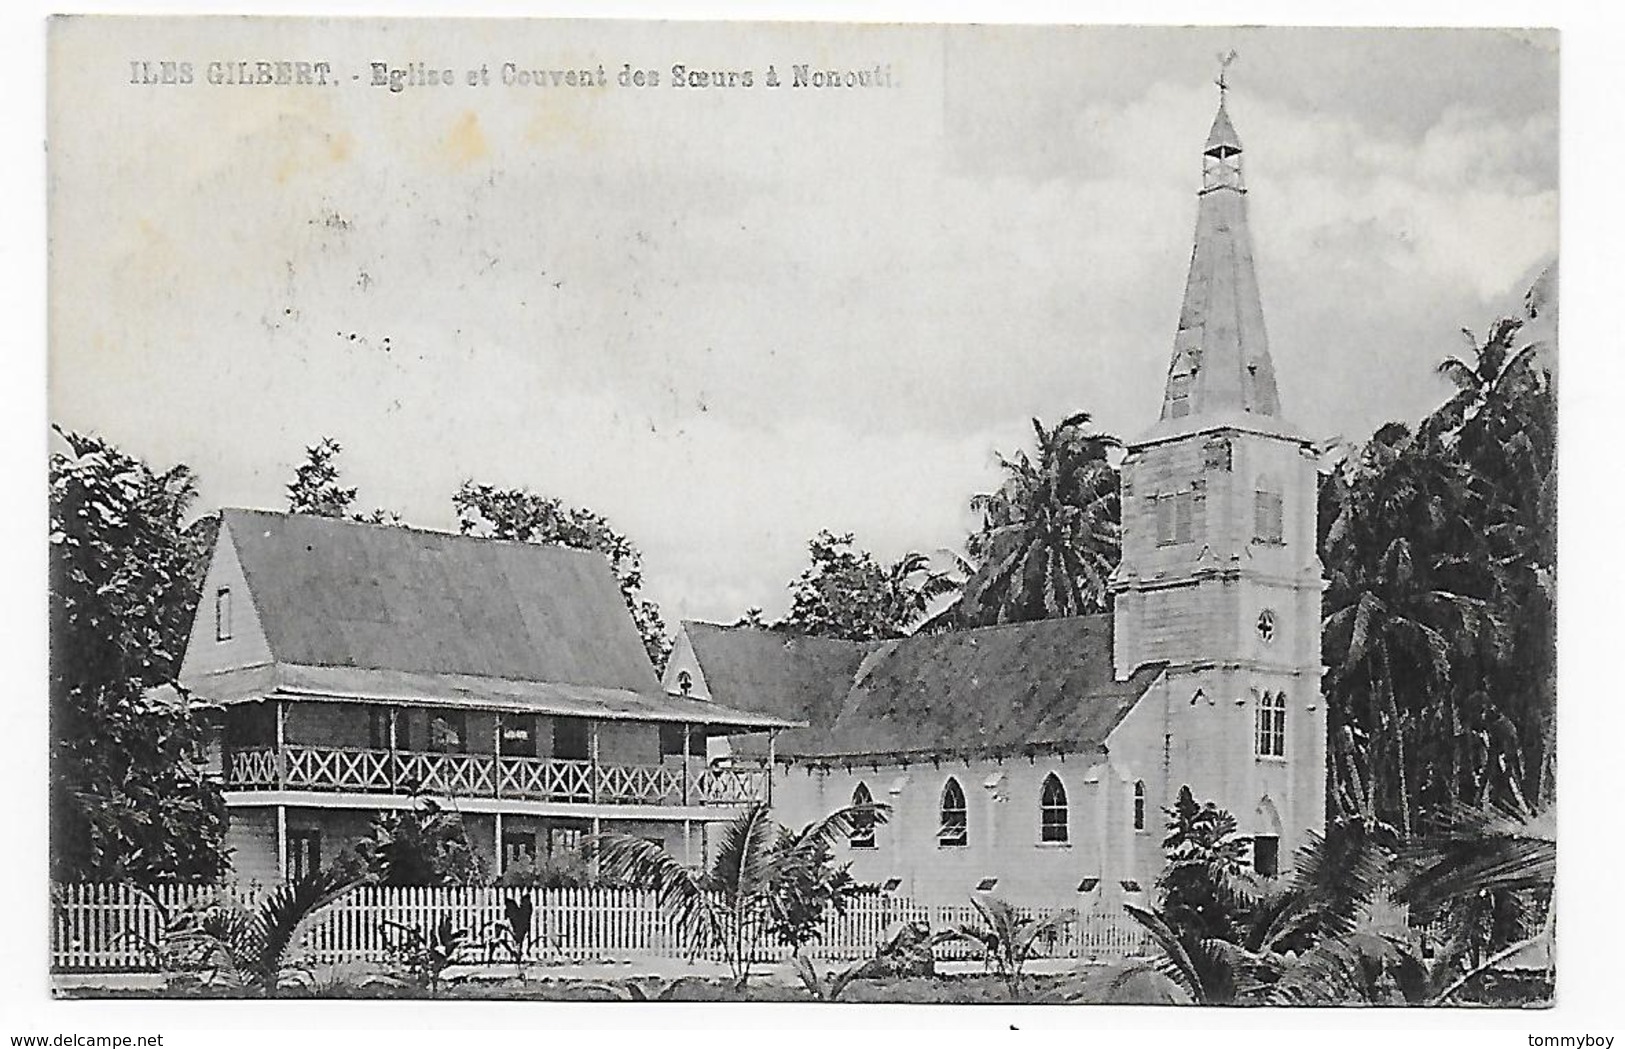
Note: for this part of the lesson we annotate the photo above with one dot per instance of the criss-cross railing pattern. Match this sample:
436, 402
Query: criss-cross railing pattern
555, 779
452, 774
732, 786
359, 770
338, 768
644, 783
252, 769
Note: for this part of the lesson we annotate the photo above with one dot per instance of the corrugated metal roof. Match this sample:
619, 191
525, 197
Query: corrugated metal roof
362, 685
1002, 689
343, 594
799, 678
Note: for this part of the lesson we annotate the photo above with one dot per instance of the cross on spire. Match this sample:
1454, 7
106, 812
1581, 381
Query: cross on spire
1223, 79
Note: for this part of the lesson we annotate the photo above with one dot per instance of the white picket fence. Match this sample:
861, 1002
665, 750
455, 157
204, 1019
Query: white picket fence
105, 927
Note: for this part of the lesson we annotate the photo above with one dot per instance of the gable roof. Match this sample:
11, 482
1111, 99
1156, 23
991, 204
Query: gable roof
993, 690
337, 593
792, 677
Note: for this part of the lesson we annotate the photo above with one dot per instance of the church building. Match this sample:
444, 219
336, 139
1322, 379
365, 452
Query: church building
1032, 761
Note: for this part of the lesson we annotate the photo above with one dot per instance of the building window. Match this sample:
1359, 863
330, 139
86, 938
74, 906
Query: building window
1179, 396
378, 728
571, 739
517, 735
1139, 805
304, 853
448, 732
671, 741
685, 682
1176, 518
1052, 824
954, 830
1267, 855
517, 847
1268, 523
222, 614
1272, 725
863, 830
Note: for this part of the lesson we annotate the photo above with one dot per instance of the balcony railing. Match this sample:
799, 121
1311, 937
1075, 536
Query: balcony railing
360, 771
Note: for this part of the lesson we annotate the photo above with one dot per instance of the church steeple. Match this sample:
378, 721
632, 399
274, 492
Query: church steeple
1221, 362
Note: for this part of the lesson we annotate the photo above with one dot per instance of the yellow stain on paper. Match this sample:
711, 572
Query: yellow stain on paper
466, 143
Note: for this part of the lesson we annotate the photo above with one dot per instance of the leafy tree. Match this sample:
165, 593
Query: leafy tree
1051, 532
522, 515
747, 891
1205, 887
848, 593
315, 489
129, 794
425, 845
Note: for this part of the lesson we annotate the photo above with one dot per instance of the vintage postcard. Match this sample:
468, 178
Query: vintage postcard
795, 512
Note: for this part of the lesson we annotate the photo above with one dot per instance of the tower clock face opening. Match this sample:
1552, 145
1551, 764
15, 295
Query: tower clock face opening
1266, 626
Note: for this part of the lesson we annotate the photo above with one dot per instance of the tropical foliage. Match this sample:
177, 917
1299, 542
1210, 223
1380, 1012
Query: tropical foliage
252, 947
316, 490
848, 593
425, 952
1050, 533
1440, 550
423, 845
1333, 932
522, 515
129, 794
1008, 939
763, 882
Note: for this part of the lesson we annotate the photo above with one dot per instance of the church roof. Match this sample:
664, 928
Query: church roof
793, 677
337, 593
990, 691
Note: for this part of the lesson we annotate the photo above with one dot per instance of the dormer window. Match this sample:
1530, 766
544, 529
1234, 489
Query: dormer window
685, 682
1179, 395
222, 614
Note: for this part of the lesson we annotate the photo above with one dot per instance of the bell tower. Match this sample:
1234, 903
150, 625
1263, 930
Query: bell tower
1219, 574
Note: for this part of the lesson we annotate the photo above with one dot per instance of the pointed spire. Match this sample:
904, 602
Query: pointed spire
1222, 141
1221, 362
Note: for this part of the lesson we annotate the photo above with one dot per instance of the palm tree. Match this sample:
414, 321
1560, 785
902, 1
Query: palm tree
1406, 607
249, 947
1050, 534
1007, 937
730, 907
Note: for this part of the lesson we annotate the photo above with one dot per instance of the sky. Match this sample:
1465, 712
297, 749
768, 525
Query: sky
729, 318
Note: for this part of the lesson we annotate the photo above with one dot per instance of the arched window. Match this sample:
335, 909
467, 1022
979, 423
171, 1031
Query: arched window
1052, 824
863, 833
954, 831
1139, 805
1272, 725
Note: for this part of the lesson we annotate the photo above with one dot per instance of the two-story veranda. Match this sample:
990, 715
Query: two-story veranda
359, 667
